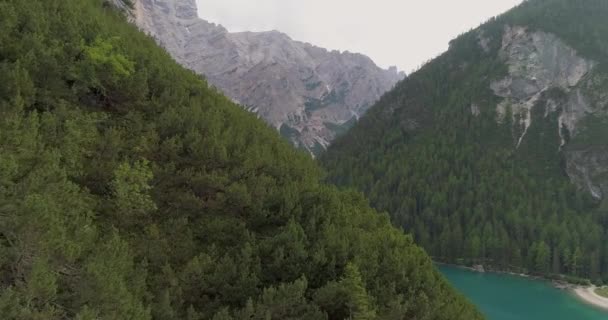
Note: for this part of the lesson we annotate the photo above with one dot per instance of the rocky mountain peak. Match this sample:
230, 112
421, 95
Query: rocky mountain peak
308, 93
185, 9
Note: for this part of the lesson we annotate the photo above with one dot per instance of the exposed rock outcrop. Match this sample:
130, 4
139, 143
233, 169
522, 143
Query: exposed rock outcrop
306, 92
537, 64
588, 168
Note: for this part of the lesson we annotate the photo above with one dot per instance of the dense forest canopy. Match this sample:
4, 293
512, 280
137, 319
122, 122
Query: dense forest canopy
433, 155
129, 189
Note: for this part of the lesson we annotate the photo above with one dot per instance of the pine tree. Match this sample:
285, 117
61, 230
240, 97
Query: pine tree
358, 302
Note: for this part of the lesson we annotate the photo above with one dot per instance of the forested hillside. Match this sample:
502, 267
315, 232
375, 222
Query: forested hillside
495, 152
129, 189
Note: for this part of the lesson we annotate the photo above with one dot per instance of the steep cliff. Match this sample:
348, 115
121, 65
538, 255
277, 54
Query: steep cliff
547, 73
308, 93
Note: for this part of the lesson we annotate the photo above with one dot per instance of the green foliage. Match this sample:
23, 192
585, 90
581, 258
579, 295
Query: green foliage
102, 55
602, 291
41, 283
594, 130
458, 182
129, 189
346, 299
87, 314
288, 301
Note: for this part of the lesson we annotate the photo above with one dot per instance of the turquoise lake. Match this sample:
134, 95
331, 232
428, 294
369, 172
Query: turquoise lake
506, 297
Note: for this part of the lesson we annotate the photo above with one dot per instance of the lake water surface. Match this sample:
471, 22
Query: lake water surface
506, 297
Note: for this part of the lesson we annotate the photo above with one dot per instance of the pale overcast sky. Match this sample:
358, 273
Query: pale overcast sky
405, 33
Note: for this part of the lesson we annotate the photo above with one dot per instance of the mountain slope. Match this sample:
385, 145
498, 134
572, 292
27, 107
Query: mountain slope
496, 151
129, 189
307, 93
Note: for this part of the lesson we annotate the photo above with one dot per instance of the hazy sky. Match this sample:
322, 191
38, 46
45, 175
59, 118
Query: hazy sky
405, 33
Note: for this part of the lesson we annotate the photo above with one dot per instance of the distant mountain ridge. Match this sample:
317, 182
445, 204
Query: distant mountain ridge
308, 93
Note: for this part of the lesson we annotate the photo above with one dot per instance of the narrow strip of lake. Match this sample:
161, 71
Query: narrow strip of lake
506, 297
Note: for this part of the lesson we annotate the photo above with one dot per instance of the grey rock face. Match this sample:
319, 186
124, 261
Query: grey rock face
539, 62
306, 92
588, 169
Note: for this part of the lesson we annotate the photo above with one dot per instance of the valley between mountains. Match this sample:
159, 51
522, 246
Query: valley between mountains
494, 153
154, 165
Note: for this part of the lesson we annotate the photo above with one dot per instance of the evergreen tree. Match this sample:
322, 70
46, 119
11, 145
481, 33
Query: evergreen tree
130, 189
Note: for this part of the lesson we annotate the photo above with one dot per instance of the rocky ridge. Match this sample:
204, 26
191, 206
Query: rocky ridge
308, 93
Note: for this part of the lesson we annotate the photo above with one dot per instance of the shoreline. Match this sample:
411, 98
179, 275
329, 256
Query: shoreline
561, 284
490, 270
585, 294
588, 296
